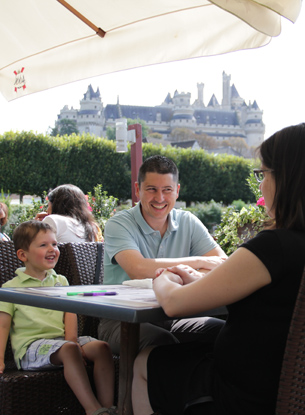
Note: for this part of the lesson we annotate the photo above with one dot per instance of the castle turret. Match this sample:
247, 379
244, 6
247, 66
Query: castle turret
236, 100
183, 112
90, 116
254, 126
226, 91
67, 113
199, 101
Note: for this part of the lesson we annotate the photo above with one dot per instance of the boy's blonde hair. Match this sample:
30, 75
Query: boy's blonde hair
26, 232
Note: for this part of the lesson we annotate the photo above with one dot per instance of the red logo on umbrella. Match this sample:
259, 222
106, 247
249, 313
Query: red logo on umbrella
19, 80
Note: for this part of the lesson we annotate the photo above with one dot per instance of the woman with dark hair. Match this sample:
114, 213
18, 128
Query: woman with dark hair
3, 221
258, 283
68, 214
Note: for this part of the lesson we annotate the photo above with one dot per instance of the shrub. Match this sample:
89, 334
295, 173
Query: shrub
16, 212
238, 204
30, 211
31, 163
237, 227
209, 213
101, 205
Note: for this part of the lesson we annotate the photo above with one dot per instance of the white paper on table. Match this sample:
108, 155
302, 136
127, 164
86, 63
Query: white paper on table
143, 283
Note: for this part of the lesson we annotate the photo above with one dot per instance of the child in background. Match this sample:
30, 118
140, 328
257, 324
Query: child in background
45, 339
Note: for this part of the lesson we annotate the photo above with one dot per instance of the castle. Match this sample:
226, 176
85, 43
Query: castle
232, 118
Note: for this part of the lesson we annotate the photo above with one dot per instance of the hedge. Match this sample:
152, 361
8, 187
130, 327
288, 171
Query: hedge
33, 163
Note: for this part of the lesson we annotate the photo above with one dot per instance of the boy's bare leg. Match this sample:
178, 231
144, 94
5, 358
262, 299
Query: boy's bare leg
140, 399
76, 375
100, 354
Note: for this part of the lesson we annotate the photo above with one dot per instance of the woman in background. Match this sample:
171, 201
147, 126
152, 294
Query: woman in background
68, 214
3, 221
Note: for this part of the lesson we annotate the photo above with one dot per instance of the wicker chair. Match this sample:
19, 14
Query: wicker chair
291, 392
26, 392
84, 258
63, 265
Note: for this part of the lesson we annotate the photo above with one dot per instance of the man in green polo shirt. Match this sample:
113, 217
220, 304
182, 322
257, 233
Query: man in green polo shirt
153, 235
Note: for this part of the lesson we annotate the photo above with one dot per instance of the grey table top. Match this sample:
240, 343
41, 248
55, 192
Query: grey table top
102, 307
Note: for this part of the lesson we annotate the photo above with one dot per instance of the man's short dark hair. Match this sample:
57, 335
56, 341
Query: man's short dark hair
26, 232
160, 165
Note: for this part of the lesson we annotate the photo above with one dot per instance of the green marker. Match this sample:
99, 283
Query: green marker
82, 292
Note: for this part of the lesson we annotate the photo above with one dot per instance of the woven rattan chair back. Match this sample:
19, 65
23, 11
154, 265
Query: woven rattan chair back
291, 392
8, 261
83, 259
63, 265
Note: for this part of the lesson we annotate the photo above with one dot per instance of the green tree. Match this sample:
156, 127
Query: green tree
110, 133
65, 127
145, 129
53, 132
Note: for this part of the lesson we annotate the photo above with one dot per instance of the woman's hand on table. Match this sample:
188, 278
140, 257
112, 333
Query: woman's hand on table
186, 273
181, 274
164, 272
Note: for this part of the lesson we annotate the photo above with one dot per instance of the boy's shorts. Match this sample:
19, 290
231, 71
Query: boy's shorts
37, 356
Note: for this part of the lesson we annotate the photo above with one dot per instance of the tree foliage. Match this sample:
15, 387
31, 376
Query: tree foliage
65, 127
145, 129
182, 134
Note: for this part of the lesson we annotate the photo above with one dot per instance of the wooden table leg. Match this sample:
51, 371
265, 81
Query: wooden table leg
130, 333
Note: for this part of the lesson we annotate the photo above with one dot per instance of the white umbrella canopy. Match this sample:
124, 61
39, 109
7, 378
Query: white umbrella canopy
47, 43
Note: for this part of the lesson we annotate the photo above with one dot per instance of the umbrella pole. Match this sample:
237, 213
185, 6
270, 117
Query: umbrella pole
136, 159
100, 32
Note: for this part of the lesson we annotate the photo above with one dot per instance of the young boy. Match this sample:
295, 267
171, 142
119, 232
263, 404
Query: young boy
46, 339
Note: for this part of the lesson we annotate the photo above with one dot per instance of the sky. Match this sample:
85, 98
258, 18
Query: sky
272, 75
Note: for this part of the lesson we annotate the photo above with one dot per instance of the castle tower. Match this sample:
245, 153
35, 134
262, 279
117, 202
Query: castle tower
236, 100
183, 112
90, 117
199, 101
226, 91
67, 113
254, 126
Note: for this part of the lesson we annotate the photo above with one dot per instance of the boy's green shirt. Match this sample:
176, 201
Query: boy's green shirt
32, 323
